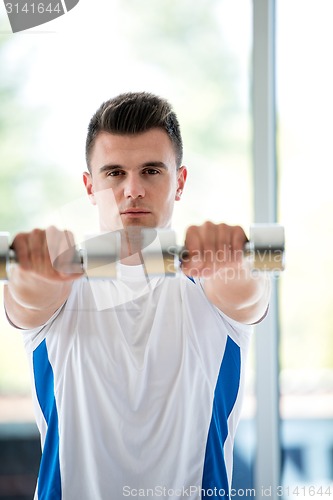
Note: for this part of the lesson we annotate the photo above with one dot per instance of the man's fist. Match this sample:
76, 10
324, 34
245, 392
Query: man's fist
212, 247
47, 253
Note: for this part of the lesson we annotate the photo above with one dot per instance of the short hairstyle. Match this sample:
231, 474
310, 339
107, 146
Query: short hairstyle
133, 113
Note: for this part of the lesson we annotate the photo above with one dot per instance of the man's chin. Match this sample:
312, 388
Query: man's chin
138, 222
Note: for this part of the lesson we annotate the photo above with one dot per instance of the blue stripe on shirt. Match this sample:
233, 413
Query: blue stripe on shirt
49, 481
226, 391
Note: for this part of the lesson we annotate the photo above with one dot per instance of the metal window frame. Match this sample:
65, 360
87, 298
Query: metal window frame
268, 450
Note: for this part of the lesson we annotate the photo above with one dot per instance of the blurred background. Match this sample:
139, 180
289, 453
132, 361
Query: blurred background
199, 56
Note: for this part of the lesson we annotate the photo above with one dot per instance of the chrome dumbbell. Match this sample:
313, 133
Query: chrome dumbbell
100, 254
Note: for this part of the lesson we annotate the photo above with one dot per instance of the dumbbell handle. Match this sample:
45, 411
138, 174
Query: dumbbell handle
265, 249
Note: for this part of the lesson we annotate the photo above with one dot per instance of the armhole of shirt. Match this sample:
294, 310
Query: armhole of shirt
32, 338
245, 329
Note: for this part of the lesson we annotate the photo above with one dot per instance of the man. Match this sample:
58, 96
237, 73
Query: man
137, 384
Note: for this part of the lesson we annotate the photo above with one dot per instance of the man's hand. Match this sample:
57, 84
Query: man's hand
212, 247
42, 280
47, 254
215, 253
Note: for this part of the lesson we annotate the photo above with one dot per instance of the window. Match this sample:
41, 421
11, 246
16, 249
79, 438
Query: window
305, 107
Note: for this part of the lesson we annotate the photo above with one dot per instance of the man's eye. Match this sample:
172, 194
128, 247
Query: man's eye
113, 173
151, 171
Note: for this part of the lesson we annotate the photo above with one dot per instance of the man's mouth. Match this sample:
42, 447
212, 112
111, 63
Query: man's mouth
135, 212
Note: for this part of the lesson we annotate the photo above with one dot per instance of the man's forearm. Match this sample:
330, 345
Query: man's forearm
242, 295
36, 289
30, 301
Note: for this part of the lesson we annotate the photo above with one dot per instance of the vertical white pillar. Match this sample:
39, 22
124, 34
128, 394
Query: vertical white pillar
267, 460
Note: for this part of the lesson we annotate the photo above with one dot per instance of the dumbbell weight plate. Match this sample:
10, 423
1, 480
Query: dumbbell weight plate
4, 255
100, 254
266, 248
158, 253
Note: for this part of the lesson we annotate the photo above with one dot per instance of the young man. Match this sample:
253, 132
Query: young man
137, 384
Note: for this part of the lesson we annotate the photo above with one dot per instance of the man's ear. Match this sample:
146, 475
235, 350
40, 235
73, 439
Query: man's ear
181, 179
87, 180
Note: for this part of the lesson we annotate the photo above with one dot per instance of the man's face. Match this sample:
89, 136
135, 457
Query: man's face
134, 180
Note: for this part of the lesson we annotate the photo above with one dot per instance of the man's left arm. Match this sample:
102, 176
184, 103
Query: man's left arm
215, 253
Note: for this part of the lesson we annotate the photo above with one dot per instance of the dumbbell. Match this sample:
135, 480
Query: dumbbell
266, 247
100, 254
159, 253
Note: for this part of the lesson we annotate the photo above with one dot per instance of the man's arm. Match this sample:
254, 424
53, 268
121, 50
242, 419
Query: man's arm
216, 254
36, 289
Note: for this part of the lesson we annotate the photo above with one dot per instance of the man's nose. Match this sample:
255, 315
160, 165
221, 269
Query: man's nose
134, 187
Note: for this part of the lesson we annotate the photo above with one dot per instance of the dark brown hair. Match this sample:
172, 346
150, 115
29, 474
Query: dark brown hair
133, 113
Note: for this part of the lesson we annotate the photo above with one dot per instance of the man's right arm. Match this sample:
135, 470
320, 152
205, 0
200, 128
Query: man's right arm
35, 289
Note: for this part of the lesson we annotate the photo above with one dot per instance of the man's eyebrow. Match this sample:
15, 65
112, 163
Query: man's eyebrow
147, 164
157, 164
107, 168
